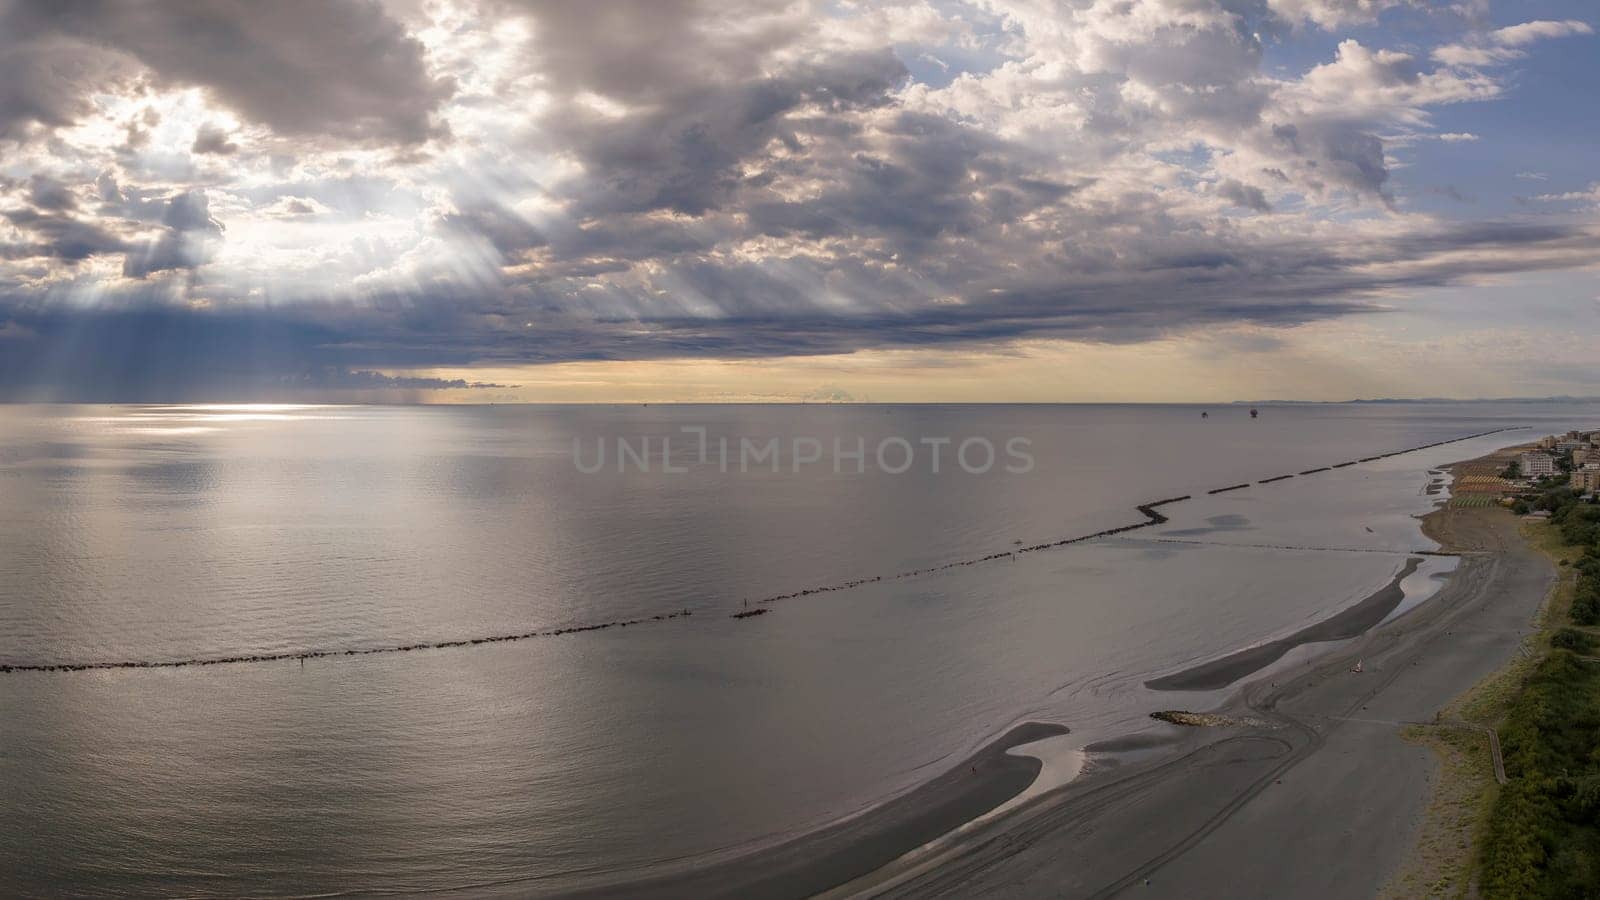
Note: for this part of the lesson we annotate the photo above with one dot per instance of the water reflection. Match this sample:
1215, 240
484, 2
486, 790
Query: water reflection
355, 526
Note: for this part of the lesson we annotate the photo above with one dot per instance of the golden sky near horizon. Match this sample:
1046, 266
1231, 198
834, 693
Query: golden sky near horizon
1327, 361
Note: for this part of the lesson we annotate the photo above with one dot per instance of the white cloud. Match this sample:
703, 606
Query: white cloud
1332, 13
1462, 55
1530, 32
1589, 195
1501, 45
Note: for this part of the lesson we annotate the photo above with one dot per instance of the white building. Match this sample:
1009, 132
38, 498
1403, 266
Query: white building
1537, 465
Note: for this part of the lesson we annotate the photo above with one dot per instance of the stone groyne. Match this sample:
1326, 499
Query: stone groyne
1149, 510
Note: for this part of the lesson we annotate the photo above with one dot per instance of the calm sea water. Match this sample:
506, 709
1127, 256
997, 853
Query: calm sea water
164, 533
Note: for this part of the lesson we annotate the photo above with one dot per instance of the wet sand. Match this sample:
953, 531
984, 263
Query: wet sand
1317, 797
855, 847
1349, 623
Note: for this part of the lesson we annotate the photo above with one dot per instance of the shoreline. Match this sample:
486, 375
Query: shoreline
914, 836
814, 862
1350, 622
1446, 856
1316, 761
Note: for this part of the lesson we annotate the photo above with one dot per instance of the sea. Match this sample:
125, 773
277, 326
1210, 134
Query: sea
603, 705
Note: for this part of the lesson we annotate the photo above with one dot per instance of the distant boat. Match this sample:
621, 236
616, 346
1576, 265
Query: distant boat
1254, 413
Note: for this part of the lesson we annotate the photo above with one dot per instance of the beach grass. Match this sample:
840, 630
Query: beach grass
1542, 838
1448, 858
1442, 862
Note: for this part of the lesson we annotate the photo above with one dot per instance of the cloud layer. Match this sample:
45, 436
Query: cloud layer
219, 193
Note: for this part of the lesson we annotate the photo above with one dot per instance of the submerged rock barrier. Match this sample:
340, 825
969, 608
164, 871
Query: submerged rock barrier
1148, 510
291, 656
1232, 487
1416, 449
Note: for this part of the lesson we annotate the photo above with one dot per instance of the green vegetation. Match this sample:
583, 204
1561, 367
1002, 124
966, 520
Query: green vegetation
1543, 839
1574, 640
1580, 527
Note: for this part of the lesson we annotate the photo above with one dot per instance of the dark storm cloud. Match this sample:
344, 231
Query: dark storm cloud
58, 235
684, 155
46, 78
1353, 158
155, 354
763, 310
46, 193
1245, 195
337, 68
700, 88
648, 52
188, 239
212, 139
932, 177
1335, 153
503, 228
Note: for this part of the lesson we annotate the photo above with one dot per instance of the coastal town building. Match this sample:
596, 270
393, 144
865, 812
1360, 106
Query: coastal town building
1585, 481
1537, 465
1564, 446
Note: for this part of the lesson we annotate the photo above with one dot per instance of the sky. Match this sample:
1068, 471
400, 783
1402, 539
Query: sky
785, 200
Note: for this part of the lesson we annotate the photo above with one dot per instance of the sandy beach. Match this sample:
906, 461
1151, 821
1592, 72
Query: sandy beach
1312, 794
1305, 788
857, 846
1347, 623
